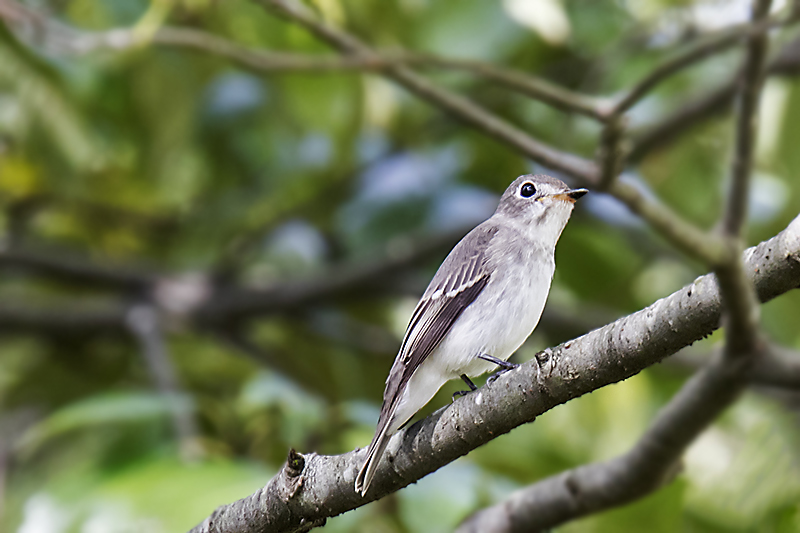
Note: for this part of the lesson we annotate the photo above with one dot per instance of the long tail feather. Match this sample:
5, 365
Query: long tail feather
374, 454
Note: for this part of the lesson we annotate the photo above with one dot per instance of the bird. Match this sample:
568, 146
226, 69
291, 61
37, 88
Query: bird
481, 305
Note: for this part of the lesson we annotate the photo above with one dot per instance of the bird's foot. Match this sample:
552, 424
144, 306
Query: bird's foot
469, 383
505, 366
460, 393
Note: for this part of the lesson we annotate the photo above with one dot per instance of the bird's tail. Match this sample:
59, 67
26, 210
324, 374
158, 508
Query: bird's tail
374, 453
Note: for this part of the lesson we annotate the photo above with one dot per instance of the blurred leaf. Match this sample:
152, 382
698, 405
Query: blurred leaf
104, 409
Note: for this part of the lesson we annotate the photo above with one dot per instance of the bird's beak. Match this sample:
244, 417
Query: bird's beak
576, 193
570, 195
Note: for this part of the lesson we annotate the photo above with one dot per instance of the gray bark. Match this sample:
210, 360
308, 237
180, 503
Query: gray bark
312, 487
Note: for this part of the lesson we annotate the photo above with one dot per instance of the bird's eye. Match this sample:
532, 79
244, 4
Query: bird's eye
527, 190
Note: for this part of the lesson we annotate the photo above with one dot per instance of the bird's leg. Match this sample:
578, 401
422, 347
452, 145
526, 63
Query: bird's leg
505, 366
469, 383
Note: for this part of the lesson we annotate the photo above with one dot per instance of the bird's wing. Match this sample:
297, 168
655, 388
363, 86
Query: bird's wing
459, 281
457, 284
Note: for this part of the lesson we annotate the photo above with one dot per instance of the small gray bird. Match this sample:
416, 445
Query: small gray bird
481, 305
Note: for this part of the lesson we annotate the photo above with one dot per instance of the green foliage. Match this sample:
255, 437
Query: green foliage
179, 161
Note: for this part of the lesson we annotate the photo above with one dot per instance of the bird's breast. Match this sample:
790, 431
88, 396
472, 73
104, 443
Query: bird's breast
501, 318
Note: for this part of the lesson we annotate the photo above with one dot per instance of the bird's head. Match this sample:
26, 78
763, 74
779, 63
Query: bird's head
542, 203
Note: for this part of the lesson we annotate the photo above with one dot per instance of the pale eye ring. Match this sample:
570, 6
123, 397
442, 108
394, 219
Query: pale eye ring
527, 190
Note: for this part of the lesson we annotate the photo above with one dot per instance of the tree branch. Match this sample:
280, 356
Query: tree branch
71, 40
75, 271
778, 367
648, 465
701, 49
231, 304
62, 321
462, 108
143, 323
314, 487
715, 102
204, 303
682, 234
612, 151
522, 82
751, 81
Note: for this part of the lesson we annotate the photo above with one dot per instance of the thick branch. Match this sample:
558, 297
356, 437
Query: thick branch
322, 486
591, 488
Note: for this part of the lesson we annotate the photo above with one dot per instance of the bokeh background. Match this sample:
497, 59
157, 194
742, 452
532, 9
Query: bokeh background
164, 176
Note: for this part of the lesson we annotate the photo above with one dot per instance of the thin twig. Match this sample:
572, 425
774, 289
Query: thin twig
70, 40
682, 234
701, 49
750, 82
532, 86
612, 151
475, 115
713, 103
143, 322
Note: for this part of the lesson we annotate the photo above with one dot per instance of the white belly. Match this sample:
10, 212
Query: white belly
496, 323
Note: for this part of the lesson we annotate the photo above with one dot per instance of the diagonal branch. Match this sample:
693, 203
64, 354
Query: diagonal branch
314, 487
522, 82
462, 108
698, 51
645, 468
682, 234
64, 39
713, 103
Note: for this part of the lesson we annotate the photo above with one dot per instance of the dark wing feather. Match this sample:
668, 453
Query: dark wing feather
457, 284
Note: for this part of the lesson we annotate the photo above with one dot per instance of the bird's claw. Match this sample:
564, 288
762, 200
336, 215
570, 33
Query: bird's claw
505, 368
460, 393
